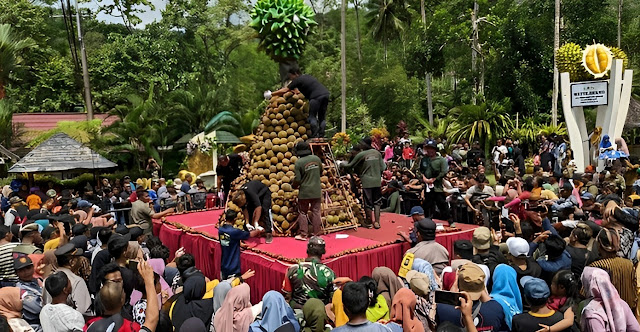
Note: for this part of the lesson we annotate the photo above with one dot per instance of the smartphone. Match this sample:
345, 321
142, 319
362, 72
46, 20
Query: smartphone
446, 297
133, 265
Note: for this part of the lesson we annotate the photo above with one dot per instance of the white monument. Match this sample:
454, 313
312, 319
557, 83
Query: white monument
612, 98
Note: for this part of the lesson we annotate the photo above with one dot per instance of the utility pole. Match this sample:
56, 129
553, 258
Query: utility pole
85, 69
556, 74
474, 49
343, 63
619, 23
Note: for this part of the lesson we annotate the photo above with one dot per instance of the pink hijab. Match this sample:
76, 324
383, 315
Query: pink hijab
606, 305
235, 314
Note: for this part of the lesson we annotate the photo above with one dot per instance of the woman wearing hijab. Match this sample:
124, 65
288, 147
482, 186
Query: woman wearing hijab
235, 313
620, 269
506, 291
388, 283
403, 313
606, 312
275, 314
190, 302
11, 309
424, 283
315, 316
193, 324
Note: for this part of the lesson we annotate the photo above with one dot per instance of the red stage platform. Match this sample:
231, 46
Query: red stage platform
353, 257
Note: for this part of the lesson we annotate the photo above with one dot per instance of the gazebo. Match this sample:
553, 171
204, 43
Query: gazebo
61, 156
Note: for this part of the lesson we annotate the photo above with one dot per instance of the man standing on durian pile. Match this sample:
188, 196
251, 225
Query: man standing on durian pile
316, 93
254, 198
369, 164
308, 169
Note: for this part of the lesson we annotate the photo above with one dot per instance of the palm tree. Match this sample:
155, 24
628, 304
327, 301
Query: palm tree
386, 17
10, 49
484, 123
6, 124
239, 124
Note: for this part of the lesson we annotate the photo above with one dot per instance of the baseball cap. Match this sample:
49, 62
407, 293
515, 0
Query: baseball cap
68, 249
83, 204
416, 210
51, 193
21, 261
518, 246
419, 283
431, 144
135, 231
78, 229
426, 226
122, 230
535, 288
33, 227
567, 186
471, 280
15, 200
463, 248
316, 242
589, 196
481, 238
47, 232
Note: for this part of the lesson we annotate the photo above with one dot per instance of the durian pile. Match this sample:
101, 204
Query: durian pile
592, 62
272, 162
283, 125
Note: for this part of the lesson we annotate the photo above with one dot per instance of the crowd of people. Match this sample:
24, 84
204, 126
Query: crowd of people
555, 250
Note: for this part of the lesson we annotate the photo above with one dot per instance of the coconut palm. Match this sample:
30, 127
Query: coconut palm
10, 49
442, 128
386, 19
484, 123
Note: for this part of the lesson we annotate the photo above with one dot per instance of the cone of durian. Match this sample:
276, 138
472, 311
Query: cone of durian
283, 125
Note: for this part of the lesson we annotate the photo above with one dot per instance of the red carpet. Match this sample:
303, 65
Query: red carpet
354, 256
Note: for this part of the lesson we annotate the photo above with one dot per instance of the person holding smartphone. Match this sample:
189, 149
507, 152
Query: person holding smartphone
486, 313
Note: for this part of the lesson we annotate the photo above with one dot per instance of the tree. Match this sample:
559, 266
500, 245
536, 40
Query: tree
128, 10
10, 54
385, 18
484, 122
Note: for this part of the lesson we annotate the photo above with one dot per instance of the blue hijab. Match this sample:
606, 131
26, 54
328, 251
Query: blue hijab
275, 313
425, 267
505, 290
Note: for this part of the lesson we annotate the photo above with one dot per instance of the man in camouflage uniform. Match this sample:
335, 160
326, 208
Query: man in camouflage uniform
309, 279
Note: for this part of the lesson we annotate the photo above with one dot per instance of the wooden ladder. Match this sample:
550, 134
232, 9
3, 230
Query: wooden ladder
335, 186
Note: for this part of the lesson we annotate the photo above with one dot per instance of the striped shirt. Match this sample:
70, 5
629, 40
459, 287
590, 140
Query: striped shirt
7, 272
623, 277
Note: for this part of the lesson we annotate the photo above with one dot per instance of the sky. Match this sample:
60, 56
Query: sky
149, 16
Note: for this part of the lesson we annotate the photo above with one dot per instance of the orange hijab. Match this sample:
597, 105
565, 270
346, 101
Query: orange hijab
403, 311
10, 302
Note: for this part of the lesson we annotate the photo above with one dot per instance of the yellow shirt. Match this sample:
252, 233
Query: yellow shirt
52, 244
548, 194
34, 202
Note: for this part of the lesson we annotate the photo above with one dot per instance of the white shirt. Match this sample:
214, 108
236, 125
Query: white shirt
9, 218
60, 318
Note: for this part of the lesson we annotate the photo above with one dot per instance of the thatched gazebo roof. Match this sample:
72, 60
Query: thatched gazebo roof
60, 153
633, 116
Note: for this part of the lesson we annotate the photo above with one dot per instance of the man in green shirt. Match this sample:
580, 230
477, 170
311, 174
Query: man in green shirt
434, 168
308, 169
369, 165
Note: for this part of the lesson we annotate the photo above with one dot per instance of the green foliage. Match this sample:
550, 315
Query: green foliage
82, 131
11, 48
484, 123
283, 26
128, 10
6, 126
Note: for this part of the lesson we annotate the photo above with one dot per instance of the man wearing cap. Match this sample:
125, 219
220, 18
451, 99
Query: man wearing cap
31, 290
434, 168
143, 215
308, 169
426, 246
519, 258
309, 279
369, 165
8, 275
30, 239
536, 293
485, 252
462, 252
566, 200
489, 315
12, 214
66, 256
